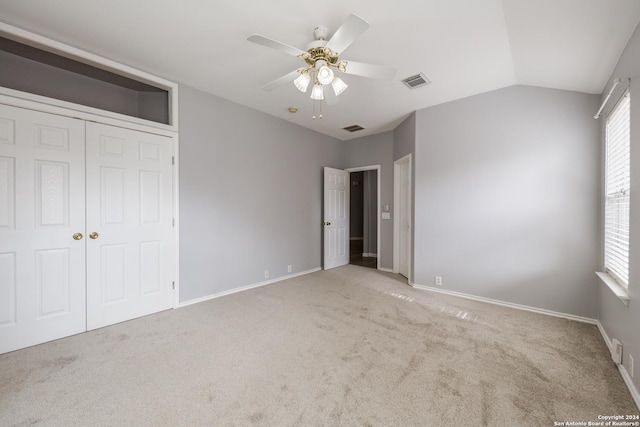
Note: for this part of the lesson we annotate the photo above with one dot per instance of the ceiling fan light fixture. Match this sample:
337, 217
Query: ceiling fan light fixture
302, 81
325, 74
317, 93
322, 59
338, 85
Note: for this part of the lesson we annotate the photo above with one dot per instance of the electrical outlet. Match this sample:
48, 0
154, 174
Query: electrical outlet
266, 274
616, 351
438, 280
631, 365
289, 268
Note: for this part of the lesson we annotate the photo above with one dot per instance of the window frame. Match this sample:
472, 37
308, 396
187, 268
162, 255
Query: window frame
617, 208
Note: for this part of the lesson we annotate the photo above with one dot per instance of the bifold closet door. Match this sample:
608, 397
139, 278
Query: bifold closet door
130, 246
42, 223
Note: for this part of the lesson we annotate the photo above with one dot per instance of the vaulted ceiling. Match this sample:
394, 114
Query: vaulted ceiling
465, 47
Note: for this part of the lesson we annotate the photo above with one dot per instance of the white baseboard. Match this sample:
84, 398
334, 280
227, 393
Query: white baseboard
372, 255
629, 382
623, 371
508, 304
388, 270
245, 288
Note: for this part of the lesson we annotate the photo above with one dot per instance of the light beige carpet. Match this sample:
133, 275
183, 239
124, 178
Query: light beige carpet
349, 346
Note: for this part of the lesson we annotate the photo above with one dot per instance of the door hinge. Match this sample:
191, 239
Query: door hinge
173, 285
173, 222
173, 160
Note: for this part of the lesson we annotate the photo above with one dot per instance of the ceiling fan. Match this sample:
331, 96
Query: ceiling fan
322, 60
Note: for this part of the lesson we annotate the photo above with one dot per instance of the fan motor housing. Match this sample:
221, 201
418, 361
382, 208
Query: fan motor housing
316, 53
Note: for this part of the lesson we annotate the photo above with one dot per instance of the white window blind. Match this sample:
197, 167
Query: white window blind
618, 192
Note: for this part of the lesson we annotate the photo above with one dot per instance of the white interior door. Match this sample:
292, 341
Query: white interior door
336, 218
130, 259
403, 215
42, 190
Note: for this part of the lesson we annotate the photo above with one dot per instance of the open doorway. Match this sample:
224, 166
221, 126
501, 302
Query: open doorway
336, 216
363, 218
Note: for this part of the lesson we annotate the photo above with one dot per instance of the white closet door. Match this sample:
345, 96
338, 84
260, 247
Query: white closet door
130, 259
42, 266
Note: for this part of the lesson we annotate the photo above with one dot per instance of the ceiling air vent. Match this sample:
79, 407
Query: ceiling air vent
353, 128
416, 81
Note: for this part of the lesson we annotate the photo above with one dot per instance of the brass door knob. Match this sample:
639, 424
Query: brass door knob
94, 235
77, 236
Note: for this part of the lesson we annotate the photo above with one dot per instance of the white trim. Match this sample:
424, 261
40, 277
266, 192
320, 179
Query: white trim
508, 304
629, 382
623, 371
69, 109
612, 284
363, 168
57, 48
369, 255
379, 175
176, 217
607, 341
396, 216
388, 270
61, 49
246, 288
61, 111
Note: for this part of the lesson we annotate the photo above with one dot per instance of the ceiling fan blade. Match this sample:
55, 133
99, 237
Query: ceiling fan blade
347, 33
370, 70
274, 44
289, 77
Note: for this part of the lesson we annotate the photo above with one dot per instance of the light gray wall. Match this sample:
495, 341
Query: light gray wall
250, 195
619, 321
507, 197
46, 80
404, 142
376, 150
404, 137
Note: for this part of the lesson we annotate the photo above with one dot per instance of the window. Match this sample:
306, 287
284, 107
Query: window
617, 191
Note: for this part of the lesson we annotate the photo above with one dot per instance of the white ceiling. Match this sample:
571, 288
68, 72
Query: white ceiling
465, 47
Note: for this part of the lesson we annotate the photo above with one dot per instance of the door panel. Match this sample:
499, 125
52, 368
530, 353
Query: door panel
8, 289
42, 267
52, 282
336, 218
7, 193
129, 204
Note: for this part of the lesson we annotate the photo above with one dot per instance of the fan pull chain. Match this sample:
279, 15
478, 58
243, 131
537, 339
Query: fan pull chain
314, 111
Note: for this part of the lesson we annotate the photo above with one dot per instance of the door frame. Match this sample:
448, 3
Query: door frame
32, 102
396, 215
371, 168
45, 104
